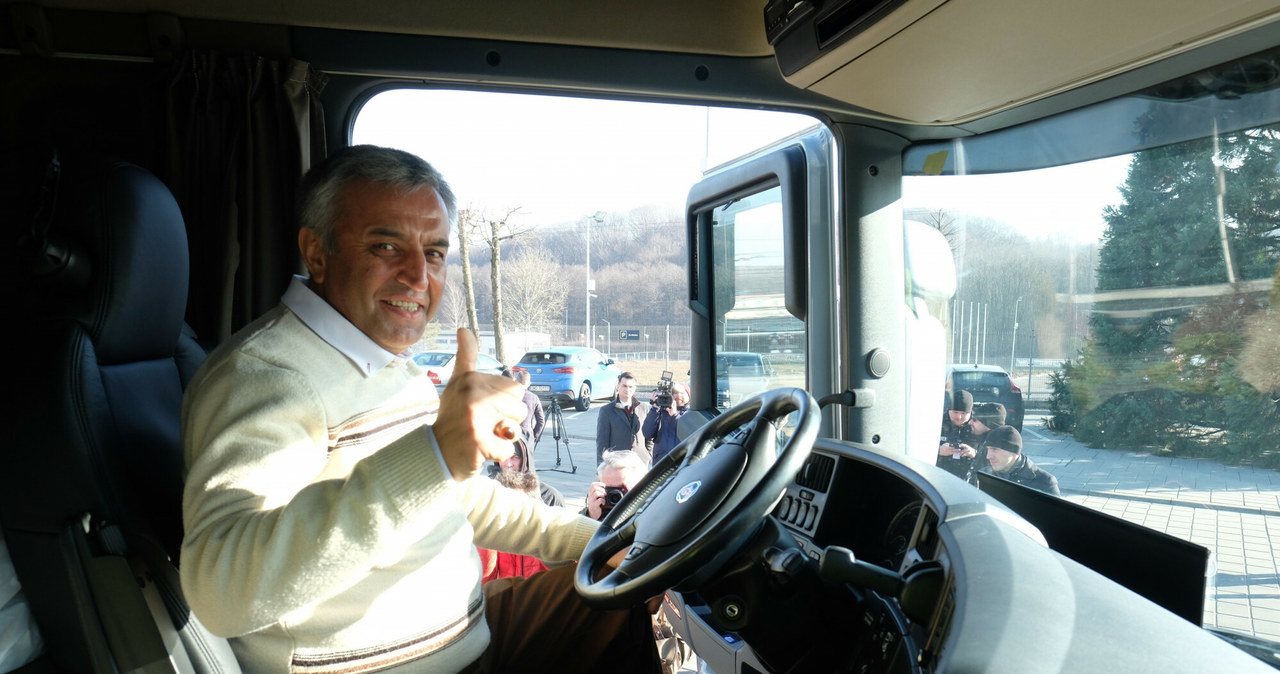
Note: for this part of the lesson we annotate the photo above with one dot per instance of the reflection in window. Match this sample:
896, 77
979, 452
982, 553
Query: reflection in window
759, 345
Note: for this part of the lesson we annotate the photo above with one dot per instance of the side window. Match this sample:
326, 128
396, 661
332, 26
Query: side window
749, 282
753, 325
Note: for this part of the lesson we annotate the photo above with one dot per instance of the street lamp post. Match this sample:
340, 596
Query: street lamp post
1014, 341
598, 217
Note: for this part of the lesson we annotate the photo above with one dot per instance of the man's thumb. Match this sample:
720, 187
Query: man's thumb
467, 348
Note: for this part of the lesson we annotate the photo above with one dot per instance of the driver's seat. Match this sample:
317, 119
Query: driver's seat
91, 477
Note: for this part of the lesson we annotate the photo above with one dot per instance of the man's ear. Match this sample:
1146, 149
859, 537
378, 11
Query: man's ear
314, 254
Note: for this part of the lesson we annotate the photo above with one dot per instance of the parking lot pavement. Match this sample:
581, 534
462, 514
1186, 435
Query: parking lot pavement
579, 432
1232, 510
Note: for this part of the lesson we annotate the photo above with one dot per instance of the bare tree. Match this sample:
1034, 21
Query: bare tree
944, 222
453, 304
468, 227
495, 231
534, 290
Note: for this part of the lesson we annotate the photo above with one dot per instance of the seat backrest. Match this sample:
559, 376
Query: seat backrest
102, 358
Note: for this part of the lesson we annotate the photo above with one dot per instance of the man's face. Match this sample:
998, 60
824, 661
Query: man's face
958, 417
626, 388
386, 273
978, 427
680, 394
513, 462
1000, 459
612, 477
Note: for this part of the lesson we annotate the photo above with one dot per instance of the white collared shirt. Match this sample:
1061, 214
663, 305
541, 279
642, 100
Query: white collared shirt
335, 329
350, 341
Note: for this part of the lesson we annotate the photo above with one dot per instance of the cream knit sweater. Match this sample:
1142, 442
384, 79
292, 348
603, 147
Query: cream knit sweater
323, 533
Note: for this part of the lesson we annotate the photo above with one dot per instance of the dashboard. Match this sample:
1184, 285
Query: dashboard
874, 563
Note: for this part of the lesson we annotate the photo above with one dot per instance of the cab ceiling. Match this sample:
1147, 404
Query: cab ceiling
928, 62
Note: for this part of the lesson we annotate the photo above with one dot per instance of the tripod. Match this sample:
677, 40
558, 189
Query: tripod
555, 420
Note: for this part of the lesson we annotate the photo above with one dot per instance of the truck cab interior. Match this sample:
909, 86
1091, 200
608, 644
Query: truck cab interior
150, 156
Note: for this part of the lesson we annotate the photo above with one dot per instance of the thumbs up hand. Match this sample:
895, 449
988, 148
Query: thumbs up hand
480, 414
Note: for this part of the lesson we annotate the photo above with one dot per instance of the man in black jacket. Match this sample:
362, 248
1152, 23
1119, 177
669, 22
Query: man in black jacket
1004, 454
618, 423
972, 453
956, 452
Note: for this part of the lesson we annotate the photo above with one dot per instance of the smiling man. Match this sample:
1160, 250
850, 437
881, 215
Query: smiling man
331, 508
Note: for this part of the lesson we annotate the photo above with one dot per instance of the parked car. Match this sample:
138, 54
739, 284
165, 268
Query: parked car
570, 372
439, 365
989, 384
740, 374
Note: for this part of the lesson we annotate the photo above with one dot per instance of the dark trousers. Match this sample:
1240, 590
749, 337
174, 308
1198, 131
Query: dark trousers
540, 624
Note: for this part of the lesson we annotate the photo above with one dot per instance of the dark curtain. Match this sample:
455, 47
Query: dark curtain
242, 130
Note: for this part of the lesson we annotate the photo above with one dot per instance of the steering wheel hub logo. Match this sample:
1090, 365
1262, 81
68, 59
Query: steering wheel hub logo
686, 492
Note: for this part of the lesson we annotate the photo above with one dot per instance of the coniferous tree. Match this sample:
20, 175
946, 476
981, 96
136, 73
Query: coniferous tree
1198, 213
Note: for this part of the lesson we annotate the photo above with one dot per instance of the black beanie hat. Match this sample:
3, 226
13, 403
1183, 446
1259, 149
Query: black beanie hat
991, 414
1006, 438
962, 401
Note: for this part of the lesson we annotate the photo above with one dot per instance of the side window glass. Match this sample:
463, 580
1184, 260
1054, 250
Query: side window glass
759, 345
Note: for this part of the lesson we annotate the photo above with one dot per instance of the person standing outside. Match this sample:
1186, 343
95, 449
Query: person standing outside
618, 423
536, 420
617, 473
955, 454
1006, 460
332, 507
985, 417
660, 423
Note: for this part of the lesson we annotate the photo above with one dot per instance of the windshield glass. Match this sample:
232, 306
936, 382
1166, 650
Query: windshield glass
1131, 299
571, 230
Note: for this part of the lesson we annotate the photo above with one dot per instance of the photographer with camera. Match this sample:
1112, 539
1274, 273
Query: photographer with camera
669, 402
618, 472
963, 432
618, 423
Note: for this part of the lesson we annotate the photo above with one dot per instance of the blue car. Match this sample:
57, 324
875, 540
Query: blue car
569, 373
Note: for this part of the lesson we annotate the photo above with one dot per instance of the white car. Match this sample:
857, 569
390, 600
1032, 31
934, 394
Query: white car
439, 365
739, 375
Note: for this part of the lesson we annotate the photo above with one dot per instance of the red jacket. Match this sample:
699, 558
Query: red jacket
506, 564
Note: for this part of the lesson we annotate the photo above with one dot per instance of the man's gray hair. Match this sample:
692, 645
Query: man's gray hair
323, 184
622, 460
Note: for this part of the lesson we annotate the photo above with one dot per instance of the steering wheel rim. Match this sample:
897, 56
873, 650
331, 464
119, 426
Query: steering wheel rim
689, 514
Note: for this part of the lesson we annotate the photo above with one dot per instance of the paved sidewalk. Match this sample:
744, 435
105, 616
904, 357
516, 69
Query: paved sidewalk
1232, 510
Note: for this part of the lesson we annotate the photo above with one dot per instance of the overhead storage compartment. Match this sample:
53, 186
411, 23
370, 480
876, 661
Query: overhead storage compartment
933, 51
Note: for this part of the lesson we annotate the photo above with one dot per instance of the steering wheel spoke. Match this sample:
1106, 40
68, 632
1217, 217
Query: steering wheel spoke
690, 513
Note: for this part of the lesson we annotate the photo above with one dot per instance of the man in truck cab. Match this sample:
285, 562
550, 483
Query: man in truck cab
332, 506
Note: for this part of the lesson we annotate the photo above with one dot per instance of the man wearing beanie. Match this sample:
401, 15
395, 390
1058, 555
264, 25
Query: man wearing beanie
985, 417
956, 451
1004, 454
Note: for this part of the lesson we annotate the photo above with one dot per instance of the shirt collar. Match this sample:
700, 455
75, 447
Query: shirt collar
335, 329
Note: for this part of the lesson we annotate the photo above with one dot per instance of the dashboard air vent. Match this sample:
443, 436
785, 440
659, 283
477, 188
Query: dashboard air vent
816, 473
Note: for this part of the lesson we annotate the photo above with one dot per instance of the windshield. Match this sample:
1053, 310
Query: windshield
1131, 297
544, 358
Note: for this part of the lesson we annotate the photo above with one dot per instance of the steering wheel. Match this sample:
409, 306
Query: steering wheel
691, 512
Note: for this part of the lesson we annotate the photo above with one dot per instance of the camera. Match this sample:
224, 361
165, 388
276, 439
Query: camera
662, 397
612, 496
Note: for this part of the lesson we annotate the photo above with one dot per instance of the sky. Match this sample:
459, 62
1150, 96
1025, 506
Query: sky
1037, 203
560, 159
